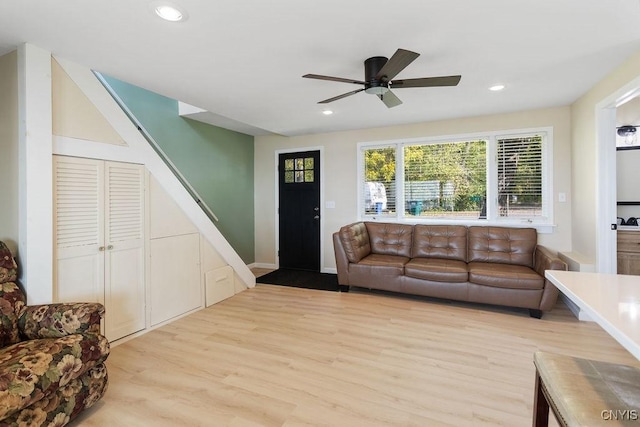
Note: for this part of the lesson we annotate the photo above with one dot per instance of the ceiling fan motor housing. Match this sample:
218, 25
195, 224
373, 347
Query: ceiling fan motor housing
371, 68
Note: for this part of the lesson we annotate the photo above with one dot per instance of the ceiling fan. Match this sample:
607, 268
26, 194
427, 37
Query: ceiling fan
378, 78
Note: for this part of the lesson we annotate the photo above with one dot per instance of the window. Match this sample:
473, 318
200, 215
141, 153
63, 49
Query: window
298, 170
379, 185
520, 176
445, 180
494, 177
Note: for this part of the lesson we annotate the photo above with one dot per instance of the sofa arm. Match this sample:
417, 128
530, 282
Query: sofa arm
545, 259
58, 320
342, 262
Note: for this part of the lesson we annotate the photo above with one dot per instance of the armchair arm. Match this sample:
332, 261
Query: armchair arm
545, 259
59, 320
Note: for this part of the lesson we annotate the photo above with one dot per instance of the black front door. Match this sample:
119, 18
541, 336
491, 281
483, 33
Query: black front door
299, 210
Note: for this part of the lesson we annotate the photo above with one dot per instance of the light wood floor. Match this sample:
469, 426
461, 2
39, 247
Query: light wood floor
281, 356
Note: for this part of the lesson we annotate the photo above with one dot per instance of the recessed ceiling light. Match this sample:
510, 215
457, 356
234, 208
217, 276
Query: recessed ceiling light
169, 11
327, 112
496, 88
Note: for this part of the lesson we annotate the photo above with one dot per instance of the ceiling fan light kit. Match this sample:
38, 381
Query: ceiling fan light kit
378, 78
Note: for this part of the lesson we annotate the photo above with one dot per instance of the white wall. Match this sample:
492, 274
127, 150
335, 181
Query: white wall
9, 150
340, 174
584, 162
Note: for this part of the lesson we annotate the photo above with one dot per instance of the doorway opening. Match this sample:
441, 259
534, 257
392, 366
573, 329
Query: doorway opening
606, 193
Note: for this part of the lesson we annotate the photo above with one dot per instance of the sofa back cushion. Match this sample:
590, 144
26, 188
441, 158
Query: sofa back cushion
355, 240
440, 241
390, 239
12, 300
502, 245
8, 266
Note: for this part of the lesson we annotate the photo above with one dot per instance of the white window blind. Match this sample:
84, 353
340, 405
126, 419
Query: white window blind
520, 176
446, 180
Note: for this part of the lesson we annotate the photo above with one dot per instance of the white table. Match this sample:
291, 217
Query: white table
611, 300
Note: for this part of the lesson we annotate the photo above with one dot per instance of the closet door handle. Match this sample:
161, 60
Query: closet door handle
101, 248
109, 247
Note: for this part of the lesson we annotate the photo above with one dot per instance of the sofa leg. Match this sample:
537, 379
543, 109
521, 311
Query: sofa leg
535, 313
343, 288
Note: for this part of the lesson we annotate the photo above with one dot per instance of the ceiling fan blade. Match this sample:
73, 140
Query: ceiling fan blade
390, 99
344, 95
332, 79
398, 62
427, 82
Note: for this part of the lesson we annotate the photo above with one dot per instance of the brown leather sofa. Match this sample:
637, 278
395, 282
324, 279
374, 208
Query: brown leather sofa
491, 265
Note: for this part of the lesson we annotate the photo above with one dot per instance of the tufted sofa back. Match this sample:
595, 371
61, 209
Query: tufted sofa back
440, 241
502, 245
390, 239
355, 240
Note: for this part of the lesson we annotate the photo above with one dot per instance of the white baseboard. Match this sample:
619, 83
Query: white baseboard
263, 265
580, 314
275, 267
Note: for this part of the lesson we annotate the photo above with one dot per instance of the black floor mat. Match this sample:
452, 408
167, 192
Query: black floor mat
301, 279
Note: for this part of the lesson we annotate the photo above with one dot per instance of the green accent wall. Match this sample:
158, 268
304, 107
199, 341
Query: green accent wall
217, 162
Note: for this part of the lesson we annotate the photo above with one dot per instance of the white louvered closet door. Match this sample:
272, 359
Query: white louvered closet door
99, 227
124, 255
78, 229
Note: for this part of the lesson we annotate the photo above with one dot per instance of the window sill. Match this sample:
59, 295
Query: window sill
542, 228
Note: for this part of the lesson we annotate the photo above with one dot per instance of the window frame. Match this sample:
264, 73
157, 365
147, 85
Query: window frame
543, 223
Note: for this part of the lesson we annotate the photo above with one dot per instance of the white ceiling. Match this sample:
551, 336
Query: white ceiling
243, 59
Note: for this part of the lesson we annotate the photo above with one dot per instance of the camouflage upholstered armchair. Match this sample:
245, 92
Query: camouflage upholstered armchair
51, 356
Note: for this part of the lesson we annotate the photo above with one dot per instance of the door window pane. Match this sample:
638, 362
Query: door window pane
288, 176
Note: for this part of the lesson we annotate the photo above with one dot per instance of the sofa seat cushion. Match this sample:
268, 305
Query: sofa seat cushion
31, 370
504, 276
377, 271
393, 261
437, 270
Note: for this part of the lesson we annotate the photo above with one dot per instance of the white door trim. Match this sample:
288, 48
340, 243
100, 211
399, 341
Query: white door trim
606, 207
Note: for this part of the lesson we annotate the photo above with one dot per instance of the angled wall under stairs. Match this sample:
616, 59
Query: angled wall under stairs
89, 123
